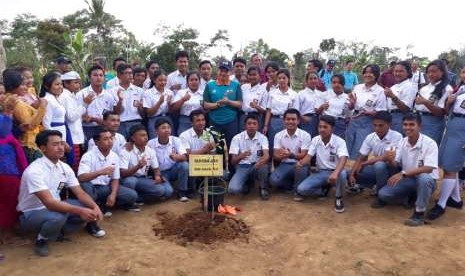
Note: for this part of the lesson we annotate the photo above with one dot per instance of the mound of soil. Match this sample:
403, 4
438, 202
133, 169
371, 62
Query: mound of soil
199, 227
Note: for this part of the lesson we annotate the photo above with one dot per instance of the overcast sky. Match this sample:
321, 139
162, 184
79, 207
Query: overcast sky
290, 26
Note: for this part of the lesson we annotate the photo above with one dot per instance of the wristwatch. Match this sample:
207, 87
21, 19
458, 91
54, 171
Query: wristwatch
404, 173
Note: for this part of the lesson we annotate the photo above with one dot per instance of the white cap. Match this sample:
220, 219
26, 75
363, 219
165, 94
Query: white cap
71, 75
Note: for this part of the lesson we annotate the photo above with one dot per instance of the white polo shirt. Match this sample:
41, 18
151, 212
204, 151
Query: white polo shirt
192, 104
54, 113
373, 144
74, 112
41, 175
327, 156
152, 96
369, 99
129, 159
114, 82
256, 145
423, 153
163, 152
417, 75
176, 78
191, 141
147, 83
427, 93
296, 143
119, 142
131, 97
102, 103
406, 91
309, 100
338, 104
93, 160
279, 102
253, 94
459, 104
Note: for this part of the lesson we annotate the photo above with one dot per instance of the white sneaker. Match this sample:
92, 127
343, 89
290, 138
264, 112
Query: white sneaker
183, 199
107, 214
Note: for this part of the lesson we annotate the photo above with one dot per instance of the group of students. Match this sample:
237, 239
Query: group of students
124, 142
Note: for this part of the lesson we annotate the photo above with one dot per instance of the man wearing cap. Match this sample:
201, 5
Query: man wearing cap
74, 111
63, 64
327, 73
223, 99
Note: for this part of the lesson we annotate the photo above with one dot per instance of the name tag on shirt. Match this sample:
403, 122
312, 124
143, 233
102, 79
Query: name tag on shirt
369, 103
462, 105
432, 98
420, 163
332, 157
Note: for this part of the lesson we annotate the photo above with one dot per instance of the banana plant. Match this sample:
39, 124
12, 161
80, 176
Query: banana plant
78, 51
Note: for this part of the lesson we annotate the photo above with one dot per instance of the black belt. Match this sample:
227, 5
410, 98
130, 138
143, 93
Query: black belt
425, 113
395, 111
458, 115
277, 116
132, 121
310, 114
252, 112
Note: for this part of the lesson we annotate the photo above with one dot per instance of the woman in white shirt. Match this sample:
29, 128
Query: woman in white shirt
187, 100
254, 97
431, 99
310, 99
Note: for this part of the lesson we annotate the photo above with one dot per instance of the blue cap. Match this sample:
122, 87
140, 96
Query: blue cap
225, 64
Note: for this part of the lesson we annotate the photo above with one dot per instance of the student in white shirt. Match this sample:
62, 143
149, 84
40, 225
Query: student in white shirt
250, 155
254, 97
137, 163
279, 100
42, 210
177, 79
111, 123
375, 171
187, 100
132, 109
152, 66
310, 99
365, 100
205, 69
271, 71
172, 158
74, 111
401, 96
96, 101
290, 145
418, 78
139, 76
99, 175
156, 102
431, 99
417, 157
239, 65
114, 82
331, 156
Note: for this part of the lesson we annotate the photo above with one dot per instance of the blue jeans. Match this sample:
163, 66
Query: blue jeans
229, 129
312, 126
180, 172
313, 184
245, 172
184, 123
276, 125
125, 197
423, 185
287, 176
377, 173
147, 190
124, 127
50, 223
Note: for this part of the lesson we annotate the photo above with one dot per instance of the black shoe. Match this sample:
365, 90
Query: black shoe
41, 248
454, 204
62, 238
435, 212
133, 208
417, 219
94, 230
339, 205
324, 192
378, 203
264, 194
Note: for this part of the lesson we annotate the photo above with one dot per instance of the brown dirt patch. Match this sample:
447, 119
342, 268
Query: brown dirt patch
199, 227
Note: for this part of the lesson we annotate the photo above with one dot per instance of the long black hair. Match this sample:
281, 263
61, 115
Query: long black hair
440, 87
47, 81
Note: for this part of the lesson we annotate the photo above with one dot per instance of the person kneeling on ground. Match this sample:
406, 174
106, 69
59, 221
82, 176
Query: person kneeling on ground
99, 175
172, 157
331, 156
135, 165
249, 150
417, 155
42, 210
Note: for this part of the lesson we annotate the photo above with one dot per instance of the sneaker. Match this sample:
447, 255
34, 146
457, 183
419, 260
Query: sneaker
139, 203
107, 214
264, 194
133, 208
354, 189
436, 212
41, 248
454, 204
182, 197
298, 197
378, 203
94, 230
339, 205
417, 219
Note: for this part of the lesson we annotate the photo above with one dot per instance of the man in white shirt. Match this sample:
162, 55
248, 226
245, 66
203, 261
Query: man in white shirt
239, 65
114, 82
290, 146
177, 79
331, 156
111, 122
205, 70
39, 203
172, 157
375, 171
250, 155
136, 166
417, 156
99, 175
132, 108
